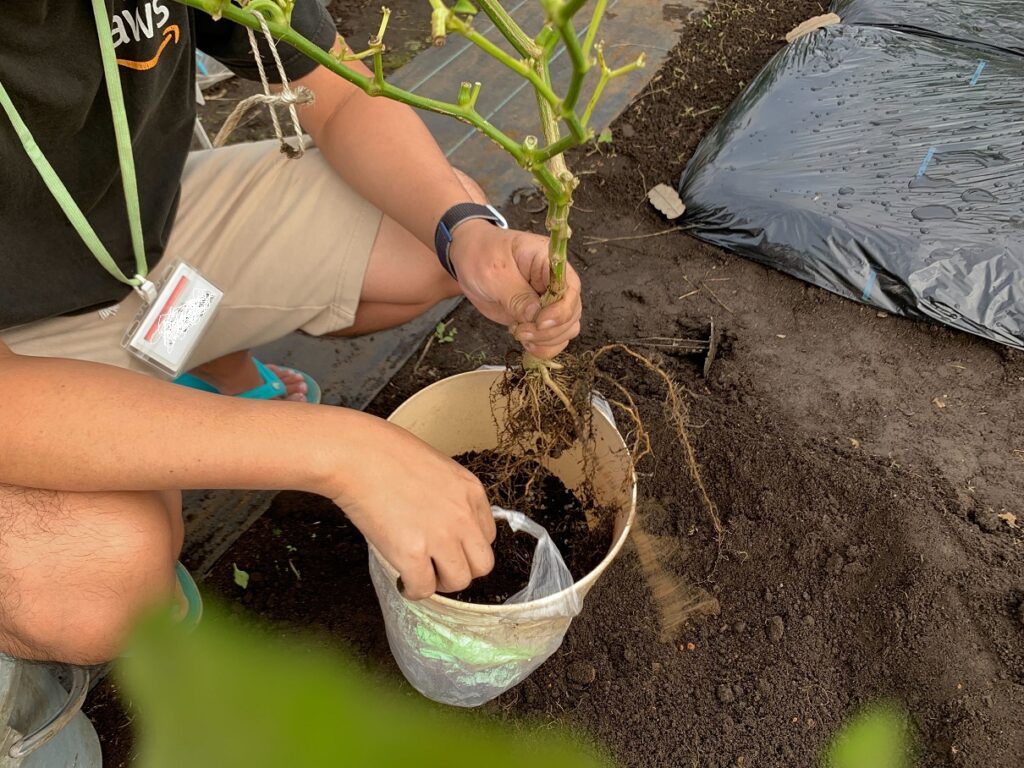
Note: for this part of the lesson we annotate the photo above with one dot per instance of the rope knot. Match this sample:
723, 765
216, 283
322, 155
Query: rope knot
287, 97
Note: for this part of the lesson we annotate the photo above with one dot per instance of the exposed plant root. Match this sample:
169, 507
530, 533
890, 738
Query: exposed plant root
641, 445
531, 363
545, 408
678, 414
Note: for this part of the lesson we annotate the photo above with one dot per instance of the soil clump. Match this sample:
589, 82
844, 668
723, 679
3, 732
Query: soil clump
542, 497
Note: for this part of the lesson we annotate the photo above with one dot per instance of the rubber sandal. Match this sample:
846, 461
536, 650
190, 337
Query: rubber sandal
191, 591
271, 388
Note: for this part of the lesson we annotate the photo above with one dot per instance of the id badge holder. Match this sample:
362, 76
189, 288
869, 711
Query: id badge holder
170, 323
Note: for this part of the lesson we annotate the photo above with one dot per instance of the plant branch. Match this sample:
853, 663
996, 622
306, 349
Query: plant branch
580, 66
567, 10
520, 67
512, 32
606, 76
595, 22
555, 148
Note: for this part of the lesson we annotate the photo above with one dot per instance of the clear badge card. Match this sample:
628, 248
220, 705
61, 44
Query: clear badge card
166, 331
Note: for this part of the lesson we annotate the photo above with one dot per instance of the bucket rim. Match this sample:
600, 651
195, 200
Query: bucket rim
581, 587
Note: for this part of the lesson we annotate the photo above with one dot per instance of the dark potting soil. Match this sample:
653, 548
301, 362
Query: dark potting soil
548, 503
860, 463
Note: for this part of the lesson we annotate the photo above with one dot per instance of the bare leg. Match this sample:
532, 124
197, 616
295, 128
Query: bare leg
404, 278
76, 569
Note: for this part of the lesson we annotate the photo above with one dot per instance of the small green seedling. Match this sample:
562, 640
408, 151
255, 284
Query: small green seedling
241, 577
444, 333
605, 137
475, 359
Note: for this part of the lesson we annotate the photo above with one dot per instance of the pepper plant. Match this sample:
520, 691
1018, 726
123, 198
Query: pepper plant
564, 121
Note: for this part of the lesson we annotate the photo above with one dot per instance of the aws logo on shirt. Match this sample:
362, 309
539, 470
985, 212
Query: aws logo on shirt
136, 28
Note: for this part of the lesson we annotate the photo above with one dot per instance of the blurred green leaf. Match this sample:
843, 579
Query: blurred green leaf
605, 137
881, 736
241, 577
231, 695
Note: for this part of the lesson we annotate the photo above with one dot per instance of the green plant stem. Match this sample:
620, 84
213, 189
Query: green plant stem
580, 66
558, 147
521, 68
438, 21
565, 11
598, 90
607, 75
512, 32
547, 39
558, 249
559, 202
595, 23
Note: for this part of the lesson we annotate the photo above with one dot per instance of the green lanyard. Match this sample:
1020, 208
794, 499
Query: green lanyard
124, 155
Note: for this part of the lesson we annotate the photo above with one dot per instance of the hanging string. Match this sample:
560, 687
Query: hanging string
287, 97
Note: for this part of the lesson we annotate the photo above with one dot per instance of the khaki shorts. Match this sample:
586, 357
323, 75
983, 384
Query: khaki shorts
286, 240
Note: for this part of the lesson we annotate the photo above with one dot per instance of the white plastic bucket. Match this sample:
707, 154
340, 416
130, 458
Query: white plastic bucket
466, 654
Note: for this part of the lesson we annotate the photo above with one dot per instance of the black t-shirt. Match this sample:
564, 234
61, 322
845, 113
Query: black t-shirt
50, 65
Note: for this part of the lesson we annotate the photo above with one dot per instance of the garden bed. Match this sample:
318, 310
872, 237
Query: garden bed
859, 462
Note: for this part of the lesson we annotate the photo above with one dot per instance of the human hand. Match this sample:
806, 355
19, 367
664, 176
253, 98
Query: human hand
427, 516
503, 273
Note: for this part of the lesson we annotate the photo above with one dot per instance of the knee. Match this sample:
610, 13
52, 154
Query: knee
83, 609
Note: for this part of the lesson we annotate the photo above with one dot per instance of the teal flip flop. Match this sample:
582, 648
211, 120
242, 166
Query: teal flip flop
272, 386
189, 622
191, 591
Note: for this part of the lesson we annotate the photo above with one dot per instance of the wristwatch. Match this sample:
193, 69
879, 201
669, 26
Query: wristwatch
452, 218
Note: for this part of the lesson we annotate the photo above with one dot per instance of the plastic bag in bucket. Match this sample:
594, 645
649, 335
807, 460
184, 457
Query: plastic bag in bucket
466, 654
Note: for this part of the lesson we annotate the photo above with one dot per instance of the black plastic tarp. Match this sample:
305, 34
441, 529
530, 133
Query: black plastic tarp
886, 167
997, 23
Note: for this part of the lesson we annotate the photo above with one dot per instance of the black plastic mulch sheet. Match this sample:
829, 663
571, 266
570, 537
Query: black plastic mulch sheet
886, 167
997, 23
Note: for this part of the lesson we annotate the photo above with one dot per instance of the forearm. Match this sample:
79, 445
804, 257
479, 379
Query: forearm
384, 151
76, 426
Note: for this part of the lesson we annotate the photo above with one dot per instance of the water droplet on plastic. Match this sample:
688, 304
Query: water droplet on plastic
844, 204
930, 182
931, 212
846, 190
978, 196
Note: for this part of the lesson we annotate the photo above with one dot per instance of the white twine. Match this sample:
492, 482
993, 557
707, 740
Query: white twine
286, 97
